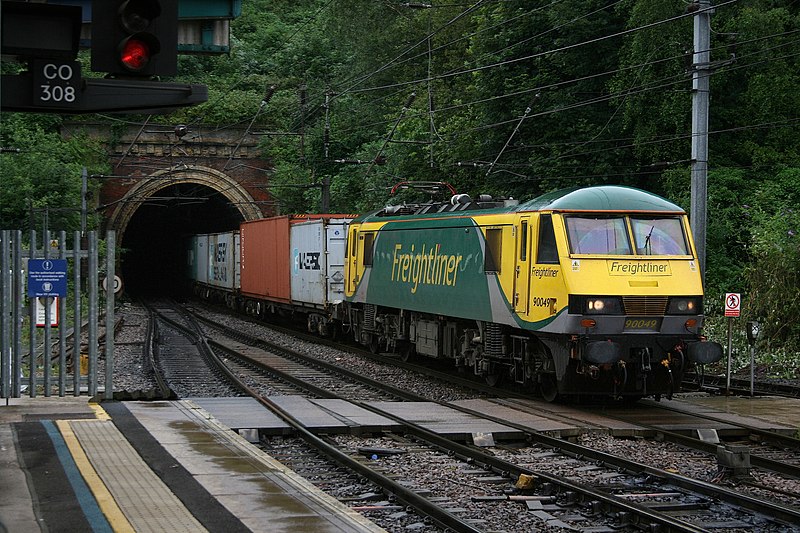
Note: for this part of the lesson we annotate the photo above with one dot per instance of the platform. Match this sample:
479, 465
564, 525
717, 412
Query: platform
497, 408
69, 465
447, 422
769, 413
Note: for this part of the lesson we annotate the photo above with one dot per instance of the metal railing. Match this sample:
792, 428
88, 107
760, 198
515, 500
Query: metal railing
70, 362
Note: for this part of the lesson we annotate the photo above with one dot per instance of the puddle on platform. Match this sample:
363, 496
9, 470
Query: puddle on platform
271, 496
785, 411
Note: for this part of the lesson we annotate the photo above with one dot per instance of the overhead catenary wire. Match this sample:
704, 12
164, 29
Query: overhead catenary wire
533, 56
653, 85
472, 7
262, 105
403, 111
565, 108
535, 89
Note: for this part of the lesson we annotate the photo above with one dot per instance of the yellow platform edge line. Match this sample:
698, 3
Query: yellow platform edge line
99, 412
116, 518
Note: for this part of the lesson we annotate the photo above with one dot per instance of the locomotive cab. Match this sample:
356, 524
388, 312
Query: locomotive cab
634, 296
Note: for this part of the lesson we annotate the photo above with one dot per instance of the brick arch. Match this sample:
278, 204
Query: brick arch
214, 179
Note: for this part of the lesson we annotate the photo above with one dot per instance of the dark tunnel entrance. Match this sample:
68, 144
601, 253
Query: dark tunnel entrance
153, 249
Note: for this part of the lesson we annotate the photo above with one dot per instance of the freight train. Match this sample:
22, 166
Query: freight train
584, 291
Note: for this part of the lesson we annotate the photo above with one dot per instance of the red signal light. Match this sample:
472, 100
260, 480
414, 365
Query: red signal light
135, 54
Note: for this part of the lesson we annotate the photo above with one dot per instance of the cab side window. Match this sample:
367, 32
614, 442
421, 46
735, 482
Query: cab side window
494, 243
368, 248
546, 251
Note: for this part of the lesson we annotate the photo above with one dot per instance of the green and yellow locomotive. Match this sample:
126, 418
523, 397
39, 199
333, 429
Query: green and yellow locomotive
592, 291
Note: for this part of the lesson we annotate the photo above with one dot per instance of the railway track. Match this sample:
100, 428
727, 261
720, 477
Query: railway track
183, 337
685, 495
769, 450
180, 357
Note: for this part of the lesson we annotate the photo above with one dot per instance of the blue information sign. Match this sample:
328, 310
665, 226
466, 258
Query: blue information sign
47, 277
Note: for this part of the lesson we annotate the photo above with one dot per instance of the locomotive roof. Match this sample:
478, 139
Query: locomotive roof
601, 198
614, 198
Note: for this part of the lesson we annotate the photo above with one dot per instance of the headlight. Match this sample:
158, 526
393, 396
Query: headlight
685, 306
603, 305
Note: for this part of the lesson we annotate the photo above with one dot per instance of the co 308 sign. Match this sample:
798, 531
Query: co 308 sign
56, 83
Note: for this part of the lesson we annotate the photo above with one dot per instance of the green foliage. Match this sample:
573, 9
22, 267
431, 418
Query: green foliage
43, 178
756, 251
773, 273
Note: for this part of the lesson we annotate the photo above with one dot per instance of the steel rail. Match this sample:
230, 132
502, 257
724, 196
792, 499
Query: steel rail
647, 515
435, 512
770, 509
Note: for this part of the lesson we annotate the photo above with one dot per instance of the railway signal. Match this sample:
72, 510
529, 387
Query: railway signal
136, 38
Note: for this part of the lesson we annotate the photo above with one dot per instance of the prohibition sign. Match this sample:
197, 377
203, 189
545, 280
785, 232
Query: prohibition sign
733, 304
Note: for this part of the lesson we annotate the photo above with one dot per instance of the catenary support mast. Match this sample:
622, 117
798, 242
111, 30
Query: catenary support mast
700, 103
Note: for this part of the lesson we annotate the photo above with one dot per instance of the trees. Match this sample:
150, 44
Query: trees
40, 174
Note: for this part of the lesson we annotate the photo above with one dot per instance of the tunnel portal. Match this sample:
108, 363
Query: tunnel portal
157, 217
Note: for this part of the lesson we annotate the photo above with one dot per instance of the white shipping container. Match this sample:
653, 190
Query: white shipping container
317, 261
201, 258
191, 261
223, 260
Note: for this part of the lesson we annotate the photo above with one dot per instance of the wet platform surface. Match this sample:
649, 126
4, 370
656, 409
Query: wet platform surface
340, 416
693, 414
150, 466
260, 491
319, 415
723, 415
583, 418
771, 413
527, 419
445, 421
558, 420
179, 466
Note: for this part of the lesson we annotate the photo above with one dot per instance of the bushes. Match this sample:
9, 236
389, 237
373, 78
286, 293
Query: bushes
773, 273
757, 230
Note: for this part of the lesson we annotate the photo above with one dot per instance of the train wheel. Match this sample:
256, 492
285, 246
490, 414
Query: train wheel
494, 377
549, 387
374, 344
407, 352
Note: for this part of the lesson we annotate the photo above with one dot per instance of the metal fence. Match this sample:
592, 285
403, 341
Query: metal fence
38, 357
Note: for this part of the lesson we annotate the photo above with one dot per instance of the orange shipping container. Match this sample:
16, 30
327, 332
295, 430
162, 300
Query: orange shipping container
265, 259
